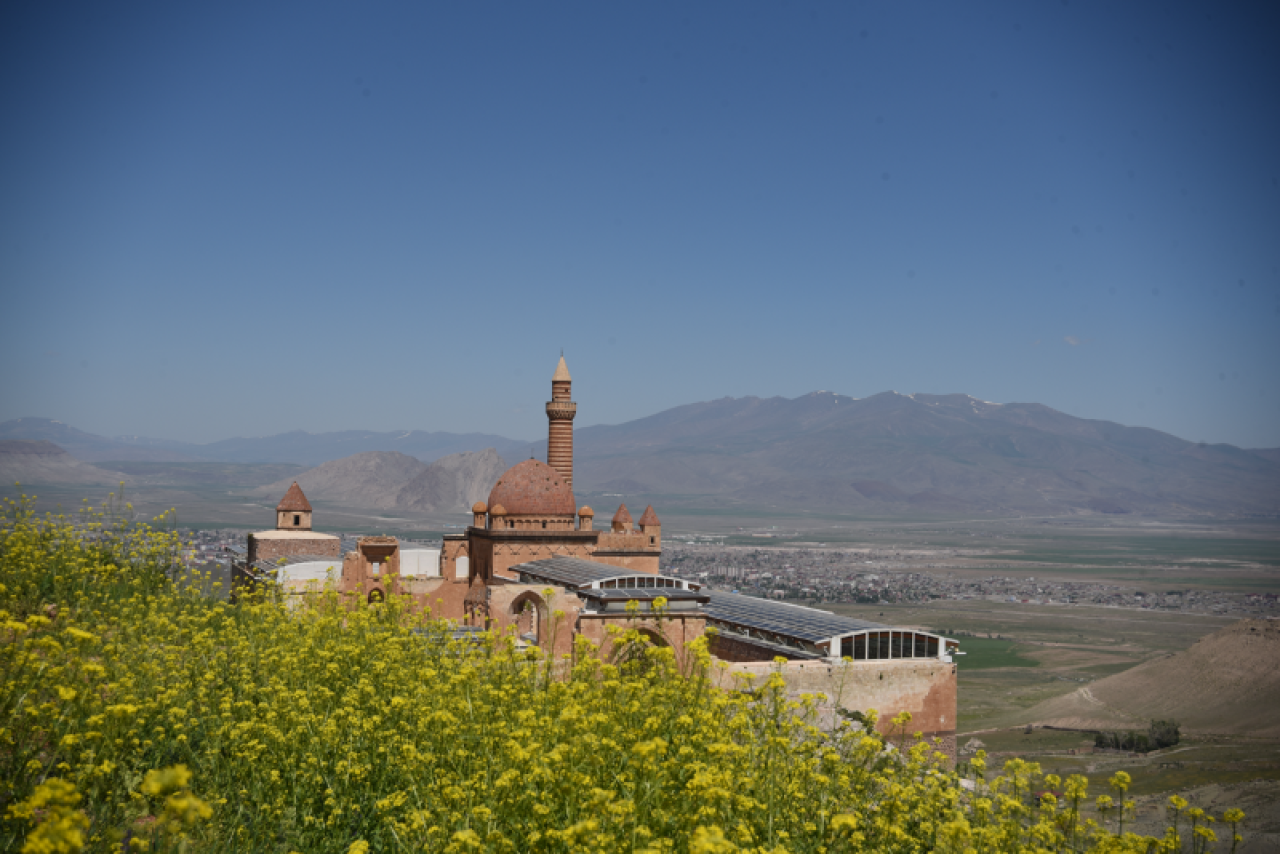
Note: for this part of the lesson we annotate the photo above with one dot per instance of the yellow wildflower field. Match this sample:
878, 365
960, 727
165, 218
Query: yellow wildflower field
139, 715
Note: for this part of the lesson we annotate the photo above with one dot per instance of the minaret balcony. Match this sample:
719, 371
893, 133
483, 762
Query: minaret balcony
562, 410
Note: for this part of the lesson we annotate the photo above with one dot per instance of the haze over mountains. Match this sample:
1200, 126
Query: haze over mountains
889, 454
36, 461
297, 446
386, 480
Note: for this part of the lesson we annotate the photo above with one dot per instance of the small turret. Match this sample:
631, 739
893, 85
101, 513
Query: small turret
293, 513
651, 527
622, 520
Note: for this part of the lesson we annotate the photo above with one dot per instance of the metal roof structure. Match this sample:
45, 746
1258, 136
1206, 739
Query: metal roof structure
565, 571
794, 630
778, 618
609, 588
579, 575
785, 650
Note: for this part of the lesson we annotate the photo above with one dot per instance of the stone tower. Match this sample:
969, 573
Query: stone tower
293, 513
560, 412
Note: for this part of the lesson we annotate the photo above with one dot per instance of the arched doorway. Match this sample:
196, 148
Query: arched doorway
376, 596
529, 615
653, 637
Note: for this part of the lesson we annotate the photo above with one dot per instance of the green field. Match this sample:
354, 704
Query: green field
988, 653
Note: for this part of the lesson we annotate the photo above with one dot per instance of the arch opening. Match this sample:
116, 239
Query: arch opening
529, 615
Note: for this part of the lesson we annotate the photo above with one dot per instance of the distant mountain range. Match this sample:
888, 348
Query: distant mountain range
889, 454
920, 454
24, 461
298, 447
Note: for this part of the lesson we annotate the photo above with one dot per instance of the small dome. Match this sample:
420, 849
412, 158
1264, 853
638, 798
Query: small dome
479, 507
498, 510
532, 488
586, 511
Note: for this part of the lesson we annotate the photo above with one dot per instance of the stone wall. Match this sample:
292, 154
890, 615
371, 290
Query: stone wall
508, 613
674, 630
453, 547
630, 561
272, 548
284, 520
924, 687
728, 648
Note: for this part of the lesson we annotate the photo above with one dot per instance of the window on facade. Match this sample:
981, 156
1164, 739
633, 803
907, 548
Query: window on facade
544, 525
297, 520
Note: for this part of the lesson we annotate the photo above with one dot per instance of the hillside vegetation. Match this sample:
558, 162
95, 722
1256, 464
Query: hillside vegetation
139, 715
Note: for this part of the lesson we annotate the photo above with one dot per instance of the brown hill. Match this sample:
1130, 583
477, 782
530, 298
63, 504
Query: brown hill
385, 480
1227, 683
36, 462
452, 484
370, 480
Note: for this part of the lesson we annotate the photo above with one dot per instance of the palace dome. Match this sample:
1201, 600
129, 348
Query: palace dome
532, 488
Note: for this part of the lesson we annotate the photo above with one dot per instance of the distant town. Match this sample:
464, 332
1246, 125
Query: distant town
873, 576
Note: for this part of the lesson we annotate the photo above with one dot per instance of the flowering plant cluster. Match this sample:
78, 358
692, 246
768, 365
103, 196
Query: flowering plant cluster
141, 715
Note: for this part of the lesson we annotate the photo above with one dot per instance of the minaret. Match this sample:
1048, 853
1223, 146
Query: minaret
560, 412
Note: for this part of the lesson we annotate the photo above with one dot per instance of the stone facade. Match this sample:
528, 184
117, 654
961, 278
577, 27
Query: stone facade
924, 687
273, 545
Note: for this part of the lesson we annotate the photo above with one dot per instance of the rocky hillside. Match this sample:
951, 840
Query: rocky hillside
452, 484
371, 480
1228, 683
386, 480
29, 462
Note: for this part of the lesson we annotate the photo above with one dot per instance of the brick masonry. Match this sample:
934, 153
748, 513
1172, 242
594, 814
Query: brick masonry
271, 548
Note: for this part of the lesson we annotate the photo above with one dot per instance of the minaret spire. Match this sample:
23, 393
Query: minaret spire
560, 412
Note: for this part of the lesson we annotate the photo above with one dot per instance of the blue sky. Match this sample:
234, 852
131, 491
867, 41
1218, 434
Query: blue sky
244, 218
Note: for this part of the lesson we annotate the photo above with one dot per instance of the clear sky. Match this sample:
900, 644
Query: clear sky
222, 219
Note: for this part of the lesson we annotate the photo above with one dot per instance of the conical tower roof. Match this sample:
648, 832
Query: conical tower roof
649, 517
294, 501
562, 372
622, 515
